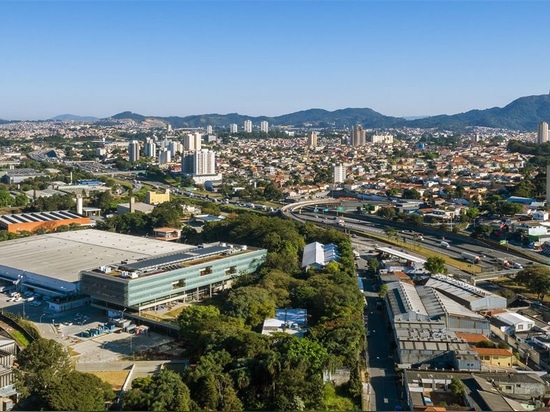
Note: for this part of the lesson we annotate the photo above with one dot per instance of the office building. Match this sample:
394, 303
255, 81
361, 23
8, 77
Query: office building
121, 271
312, 139
264, 126
339, 173
542, 135
133, 151
358, 136
247, 126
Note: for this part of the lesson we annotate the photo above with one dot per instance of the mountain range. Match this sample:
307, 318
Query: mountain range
522, 114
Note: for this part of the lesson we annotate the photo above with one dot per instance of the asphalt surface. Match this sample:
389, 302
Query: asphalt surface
385, 391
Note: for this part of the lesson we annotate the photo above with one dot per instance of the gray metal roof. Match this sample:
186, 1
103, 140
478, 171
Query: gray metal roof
64, 255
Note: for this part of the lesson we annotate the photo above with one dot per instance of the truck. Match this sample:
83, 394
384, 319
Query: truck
444, 244
470, 257
503, 262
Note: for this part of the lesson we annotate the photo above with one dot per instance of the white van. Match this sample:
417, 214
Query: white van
444, 244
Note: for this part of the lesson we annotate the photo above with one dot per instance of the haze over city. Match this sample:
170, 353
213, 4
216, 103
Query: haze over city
399, 58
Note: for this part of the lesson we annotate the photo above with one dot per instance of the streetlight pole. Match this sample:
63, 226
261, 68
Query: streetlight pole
41, 316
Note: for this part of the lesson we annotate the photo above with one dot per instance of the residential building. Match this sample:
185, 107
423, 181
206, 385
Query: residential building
198, 163
358, 136
339, 174
247, 126
192, 142
165, 157
150, 148
264, 126
233, 128
542, 134
133, 151
496, 356
312, 139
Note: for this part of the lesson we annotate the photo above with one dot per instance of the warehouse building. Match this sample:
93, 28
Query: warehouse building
30, 222
53, 265
473, 298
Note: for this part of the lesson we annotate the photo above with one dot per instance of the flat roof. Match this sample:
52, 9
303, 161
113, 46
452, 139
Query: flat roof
63, 255
401, 255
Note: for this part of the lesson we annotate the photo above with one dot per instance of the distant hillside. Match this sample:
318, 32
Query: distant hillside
522, 114
129, 115
65, 117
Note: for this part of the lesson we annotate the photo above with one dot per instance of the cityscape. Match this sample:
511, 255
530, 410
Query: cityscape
141, 250
259, 205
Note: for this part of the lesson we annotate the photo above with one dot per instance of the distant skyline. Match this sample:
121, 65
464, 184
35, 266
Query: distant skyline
261, 57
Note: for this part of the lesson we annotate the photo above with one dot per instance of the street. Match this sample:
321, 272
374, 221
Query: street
385, 393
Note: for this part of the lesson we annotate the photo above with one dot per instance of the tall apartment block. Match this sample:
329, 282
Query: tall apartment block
358, 136
264, 126
192, 142
312, 139
199, 163
150, 148
233, 128
542, 135
247, 126
133, 151
339, 173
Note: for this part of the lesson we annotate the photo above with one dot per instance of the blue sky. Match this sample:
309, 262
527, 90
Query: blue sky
259, 57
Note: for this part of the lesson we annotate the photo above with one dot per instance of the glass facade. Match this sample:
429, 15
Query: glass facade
171, 284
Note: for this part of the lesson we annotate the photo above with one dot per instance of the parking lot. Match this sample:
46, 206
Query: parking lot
68, 327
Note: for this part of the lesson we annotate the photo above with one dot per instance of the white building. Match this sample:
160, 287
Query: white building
233, 128
264, 126
199, 163
192, 142
542, 135
209, 129
133, 151
150, 148
339, 173
382, 139
247, 126
516, 322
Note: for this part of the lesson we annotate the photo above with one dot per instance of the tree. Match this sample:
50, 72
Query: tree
250, 303
79, 392
43, 364
435, 264
456, 386
165, 391
193, 319
536, 278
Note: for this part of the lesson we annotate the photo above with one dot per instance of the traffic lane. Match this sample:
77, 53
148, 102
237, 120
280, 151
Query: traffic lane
380, 360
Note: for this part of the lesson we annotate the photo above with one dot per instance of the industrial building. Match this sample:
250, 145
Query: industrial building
74, 263
30, 222
473, 298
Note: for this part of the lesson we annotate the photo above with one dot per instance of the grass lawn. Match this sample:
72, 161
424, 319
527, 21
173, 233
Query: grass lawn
114, 378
